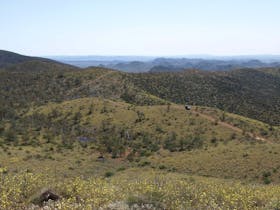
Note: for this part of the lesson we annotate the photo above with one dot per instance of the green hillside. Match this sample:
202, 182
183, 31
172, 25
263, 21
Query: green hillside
14, 61
251, 93
116, 155
248, 92
104, 138
9, 58
135, 135
115, 126
20, 90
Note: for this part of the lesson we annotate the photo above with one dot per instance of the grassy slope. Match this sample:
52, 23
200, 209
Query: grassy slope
172, 180
246, 124
226, 153
248, 92
221, 156
251, 93
157, 120
19, 90
59, 164
142, 187
233, 160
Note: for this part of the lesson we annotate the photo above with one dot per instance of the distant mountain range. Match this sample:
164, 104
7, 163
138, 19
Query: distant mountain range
153, 64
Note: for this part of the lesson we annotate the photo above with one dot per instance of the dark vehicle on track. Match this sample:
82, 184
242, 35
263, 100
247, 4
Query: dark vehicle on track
188, 107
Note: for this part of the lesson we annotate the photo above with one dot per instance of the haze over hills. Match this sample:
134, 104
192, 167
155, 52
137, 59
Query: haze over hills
151, 64
97, 136
175, 63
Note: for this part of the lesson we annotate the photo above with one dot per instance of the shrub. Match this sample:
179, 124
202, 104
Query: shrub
109, 174
162, 167
266, 177
144, 163
121, 169
10, 135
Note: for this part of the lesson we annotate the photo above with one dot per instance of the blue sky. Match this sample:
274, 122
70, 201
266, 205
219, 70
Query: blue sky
140, 27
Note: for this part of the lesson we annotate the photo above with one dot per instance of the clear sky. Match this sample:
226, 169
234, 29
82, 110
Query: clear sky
140, 27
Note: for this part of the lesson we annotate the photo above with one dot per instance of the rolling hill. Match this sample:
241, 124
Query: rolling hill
15, 62
95, 137
249, 92
108, 139
123, 130
9, 58
180, 64
171, 64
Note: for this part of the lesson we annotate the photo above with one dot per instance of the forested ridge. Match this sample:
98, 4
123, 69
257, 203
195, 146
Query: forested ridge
249, 92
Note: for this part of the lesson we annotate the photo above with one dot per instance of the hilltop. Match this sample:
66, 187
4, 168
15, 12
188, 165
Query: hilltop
11, 61
9, 58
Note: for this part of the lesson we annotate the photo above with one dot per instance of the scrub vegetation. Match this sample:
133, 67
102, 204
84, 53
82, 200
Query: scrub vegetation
103, 139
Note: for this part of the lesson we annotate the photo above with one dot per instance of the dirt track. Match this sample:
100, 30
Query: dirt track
210, 118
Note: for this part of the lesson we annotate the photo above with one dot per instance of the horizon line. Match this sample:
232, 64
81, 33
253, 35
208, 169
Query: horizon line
158, 55
143, 55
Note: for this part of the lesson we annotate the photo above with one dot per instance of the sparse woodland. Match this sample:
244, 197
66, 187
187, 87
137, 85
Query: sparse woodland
108, 139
